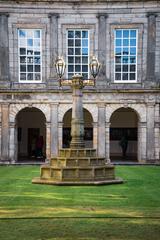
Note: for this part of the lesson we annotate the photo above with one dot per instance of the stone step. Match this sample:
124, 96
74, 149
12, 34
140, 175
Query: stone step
75, 173
83, 152
77, 161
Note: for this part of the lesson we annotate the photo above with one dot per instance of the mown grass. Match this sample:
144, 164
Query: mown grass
126, 211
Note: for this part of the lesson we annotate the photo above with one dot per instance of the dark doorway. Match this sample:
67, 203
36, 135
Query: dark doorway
30, 127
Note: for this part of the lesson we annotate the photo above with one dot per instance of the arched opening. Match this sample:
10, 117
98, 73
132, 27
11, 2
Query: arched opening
124, 135
88, 128
31, 135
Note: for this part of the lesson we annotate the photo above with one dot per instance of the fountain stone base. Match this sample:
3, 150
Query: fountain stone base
77, 167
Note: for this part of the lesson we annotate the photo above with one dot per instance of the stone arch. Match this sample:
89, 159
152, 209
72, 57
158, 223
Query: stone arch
124, 123
140, 110
16, 108
88, 125
92, 108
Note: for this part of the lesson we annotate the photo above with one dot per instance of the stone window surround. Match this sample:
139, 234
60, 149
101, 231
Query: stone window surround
139, 27
66, 27
15, 28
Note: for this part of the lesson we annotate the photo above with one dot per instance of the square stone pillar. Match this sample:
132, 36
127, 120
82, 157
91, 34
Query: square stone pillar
151, 48
4, 50
54, 130
52, 81
95, 135
101, 130
102, 49
157, 133
12, 143
48, 141
5, 133
142, 144
107, 132
150, 132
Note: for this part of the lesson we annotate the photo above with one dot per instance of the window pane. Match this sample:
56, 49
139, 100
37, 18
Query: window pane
84, 34
118, 76
37, 34
22, 42
70, 43
132, 59
132, 51
125, 51
30, 42
77, 34
22, 33
118, 51
132, 76
85, 42
22, 51
37, 68
29, 59
118, 33
70, 68
37, 42
125, 33
29, 52
30, 76
77, 59
118, 59
22, 76
70, 51
118, 68
125, 59
77, 42
22, 59
118, 42
133, 34
77, 68
70, 34
84, 51
132, 42
37, 76
30, 68
84, 59
23, 68
70, 59
132, 68
37, 60
84, 68
125, 68
125, 42
77, 51
125, 76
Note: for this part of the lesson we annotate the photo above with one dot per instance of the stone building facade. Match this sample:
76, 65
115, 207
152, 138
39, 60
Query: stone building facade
124, 35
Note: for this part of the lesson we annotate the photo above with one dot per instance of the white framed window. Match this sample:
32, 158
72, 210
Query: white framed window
78, 53
125, 55
30, 55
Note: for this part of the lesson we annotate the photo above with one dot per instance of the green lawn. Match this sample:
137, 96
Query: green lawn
35, 212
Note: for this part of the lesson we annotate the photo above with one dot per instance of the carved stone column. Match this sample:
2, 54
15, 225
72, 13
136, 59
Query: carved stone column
4, 48
102, 48
54, 130
101, 130
5, 132
151, 47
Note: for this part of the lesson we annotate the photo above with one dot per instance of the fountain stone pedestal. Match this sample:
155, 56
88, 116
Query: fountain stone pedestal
77, 165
